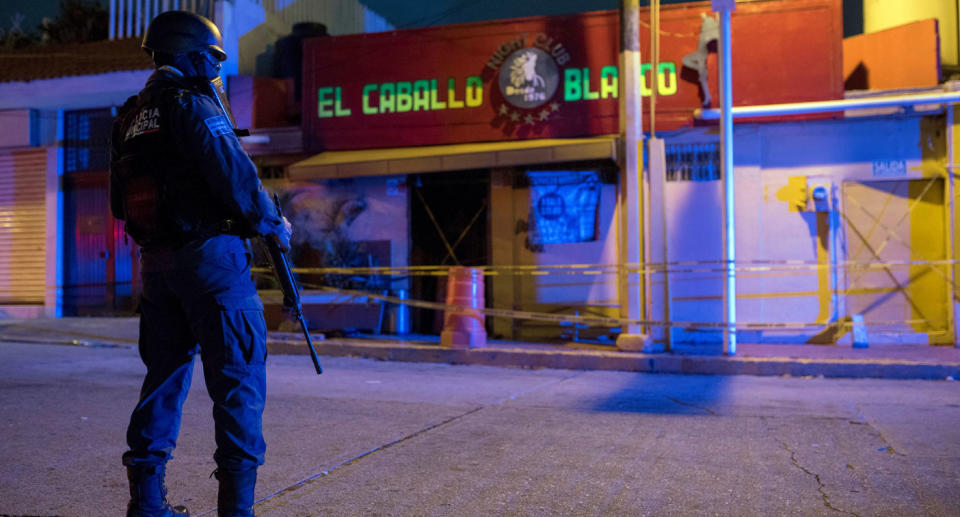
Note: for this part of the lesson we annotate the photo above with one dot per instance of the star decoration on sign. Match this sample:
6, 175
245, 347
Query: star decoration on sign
533, 116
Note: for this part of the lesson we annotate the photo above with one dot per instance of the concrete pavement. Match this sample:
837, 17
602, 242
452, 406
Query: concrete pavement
414, 438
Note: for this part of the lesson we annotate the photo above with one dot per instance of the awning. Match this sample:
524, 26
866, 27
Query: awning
438, 158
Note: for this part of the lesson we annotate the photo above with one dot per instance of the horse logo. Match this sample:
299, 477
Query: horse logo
529, 78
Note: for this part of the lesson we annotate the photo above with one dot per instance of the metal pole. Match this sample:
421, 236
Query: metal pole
726, 140
631, 164
121, 15
656, 206
112, 22
803, 108
128, 23
138, 19
951, 224
654, 63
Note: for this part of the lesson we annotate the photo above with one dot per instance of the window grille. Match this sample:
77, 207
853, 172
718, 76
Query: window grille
693, 162
87, 140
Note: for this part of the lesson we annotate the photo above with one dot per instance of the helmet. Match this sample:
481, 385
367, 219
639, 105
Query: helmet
179, 32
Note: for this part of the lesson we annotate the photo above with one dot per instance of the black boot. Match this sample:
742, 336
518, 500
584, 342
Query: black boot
148, 494
235, 498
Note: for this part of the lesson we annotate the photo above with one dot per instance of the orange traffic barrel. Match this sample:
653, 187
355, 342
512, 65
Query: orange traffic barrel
464, 329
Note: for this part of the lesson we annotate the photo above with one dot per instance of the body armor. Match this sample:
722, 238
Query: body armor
155, 189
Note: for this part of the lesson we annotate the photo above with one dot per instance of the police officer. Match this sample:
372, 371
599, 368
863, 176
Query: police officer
190, 196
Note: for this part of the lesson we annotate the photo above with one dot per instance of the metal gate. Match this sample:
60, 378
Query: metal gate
99, 270
23, 223
896, 274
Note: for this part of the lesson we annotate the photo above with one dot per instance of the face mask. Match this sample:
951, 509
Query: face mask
205, 65
213, 65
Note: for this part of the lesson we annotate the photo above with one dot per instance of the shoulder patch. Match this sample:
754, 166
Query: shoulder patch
218, 125
147, 120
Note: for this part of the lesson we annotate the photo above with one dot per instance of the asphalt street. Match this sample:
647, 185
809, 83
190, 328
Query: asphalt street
394, 438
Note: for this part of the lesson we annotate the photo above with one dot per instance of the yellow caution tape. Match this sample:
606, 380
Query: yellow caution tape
605, 321
779, 267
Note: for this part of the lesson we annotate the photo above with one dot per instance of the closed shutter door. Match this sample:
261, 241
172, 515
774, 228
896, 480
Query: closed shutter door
23, 222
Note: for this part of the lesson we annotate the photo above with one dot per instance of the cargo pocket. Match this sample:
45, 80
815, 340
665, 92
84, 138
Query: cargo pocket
243, 329
237, 262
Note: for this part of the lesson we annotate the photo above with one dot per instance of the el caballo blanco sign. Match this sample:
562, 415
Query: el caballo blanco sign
529, 74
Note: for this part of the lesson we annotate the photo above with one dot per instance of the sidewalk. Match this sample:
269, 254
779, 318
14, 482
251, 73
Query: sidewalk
885, 361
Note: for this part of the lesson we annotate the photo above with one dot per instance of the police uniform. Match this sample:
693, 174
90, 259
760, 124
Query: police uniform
190, 195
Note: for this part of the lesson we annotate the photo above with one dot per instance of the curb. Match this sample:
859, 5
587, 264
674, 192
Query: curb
626, 361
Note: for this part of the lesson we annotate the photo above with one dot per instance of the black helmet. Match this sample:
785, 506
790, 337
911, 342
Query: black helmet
179, 32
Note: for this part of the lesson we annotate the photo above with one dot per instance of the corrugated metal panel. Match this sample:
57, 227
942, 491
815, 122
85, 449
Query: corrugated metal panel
85, 272
131, 17
23, 184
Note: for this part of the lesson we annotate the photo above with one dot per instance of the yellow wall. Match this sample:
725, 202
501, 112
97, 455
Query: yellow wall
558, 293
883, 14
953, 145
885, 208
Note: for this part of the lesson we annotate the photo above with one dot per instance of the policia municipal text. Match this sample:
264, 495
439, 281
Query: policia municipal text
190, 197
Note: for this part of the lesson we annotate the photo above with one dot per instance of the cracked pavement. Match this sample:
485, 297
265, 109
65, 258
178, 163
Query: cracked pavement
390, 438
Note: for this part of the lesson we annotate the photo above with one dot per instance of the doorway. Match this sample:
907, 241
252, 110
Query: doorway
448, 227
897, 277
99, 262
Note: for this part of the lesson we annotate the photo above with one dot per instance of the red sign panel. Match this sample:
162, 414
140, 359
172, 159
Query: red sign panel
548, 77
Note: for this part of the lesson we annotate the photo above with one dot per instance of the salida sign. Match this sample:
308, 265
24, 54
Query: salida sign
527, 78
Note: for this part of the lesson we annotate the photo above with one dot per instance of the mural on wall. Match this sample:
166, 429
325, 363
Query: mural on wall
326, 234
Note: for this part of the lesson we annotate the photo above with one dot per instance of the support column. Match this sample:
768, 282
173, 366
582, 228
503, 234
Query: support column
658, 282
632, 337
53, 212
724, 7
953, 300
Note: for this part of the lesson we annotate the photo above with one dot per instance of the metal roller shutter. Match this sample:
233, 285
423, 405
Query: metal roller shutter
23, 225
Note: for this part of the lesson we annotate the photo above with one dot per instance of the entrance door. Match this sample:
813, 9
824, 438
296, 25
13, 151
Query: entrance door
99, 263
896, 247
448, 227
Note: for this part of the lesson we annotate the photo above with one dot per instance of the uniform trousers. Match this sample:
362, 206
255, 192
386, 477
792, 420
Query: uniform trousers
207, 305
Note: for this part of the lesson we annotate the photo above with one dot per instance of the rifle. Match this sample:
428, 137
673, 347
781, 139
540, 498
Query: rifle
291, 294
288, 285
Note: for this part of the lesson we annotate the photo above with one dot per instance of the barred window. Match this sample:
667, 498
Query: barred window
86, 140
693, 162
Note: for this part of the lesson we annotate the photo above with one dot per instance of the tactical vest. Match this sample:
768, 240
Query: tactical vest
164, 201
